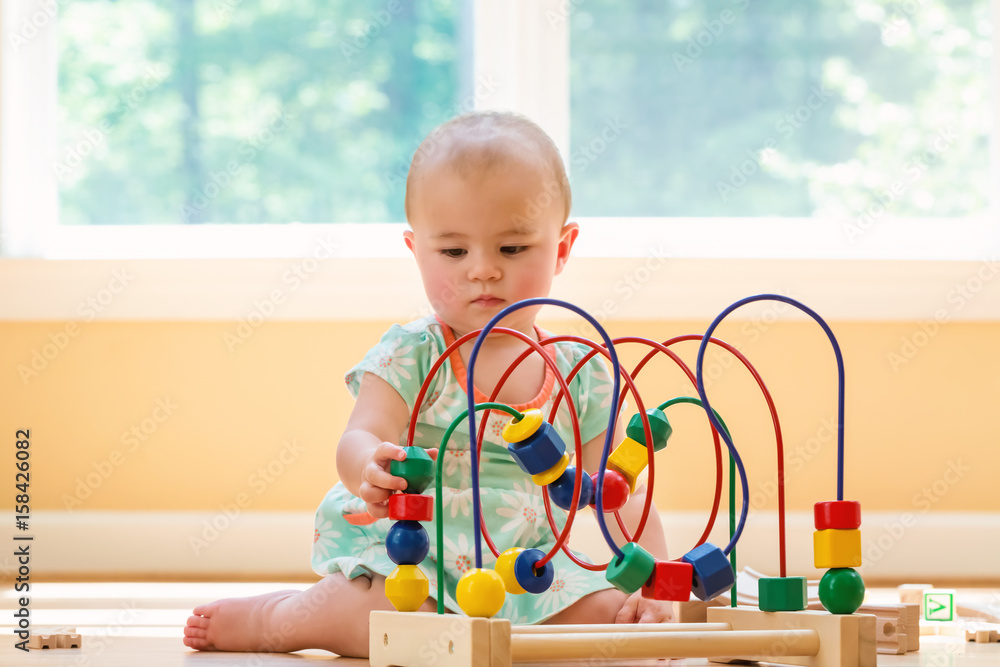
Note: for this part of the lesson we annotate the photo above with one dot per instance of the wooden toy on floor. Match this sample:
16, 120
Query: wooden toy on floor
780, 630
49, 638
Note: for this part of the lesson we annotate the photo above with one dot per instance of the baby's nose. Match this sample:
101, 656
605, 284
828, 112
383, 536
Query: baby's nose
484, 268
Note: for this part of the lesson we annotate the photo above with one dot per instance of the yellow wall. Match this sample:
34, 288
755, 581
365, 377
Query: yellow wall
279, 402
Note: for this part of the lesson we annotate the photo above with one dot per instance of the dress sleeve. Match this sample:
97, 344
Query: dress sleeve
402, 358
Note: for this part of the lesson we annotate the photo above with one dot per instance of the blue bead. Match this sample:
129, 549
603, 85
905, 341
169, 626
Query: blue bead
528, 577
407, 543
561, 490
713, 574
539, 451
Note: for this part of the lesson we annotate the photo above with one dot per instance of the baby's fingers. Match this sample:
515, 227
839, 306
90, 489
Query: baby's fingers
627, 613
386, 452
379, 477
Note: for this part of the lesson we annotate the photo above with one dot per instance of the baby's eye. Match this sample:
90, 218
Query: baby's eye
454, 253
513, 249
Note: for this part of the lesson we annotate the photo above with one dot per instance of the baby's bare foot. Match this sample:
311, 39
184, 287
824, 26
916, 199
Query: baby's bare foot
238, 624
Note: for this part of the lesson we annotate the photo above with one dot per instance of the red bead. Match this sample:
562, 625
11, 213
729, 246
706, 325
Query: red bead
838, 515
615, 493
411, 507
671, 580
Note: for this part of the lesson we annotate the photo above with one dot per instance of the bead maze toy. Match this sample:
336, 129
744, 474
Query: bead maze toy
780, 630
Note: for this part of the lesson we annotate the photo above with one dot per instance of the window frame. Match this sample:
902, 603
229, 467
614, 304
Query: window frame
523, 45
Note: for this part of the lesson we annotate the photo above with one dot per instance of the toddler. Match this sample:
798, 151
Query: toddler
487, 201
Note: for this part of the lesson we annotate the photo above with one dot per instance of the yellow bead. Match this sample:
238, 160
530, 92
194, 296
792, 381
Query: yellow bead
630, 459
406, 588
505, 568
480, 593
553, 473
834, 548
518, 430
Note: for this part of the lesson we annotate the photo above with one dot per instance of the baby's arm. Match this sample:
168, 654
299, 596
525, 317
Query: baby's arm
369, 444
636, 609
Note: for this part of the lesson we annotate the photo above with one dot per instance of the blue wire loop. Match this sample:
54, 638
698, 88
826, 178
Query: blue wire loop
609, 434
725, 435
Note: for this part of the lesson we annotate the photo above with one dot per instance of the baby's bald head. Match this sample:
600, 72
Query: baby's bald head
477, 144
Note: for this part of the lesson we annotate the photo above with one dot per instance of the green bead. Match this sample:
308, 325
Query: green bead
782, 593
632, 570
417, 469
841, 590
658, 426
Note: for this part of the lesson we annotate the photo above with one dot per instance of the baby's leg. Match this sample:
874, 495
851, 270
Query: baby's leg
331, 615
599, 607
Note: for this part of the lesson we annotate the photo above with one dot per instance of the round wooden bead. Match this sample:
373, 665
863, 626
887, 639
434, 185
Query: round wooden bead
417, 469
837, 514
631, 570
406, 588
782, 593
615, 492
561, 490
530, 578
411, 507
505, 568
841, 590
553, 473
671, 580
407, 543
713, 574
658, 425
540, 451
480, 593
517, 430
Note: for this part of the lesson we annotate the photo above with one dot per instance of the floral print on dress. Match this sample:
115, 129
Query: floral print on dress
526, 513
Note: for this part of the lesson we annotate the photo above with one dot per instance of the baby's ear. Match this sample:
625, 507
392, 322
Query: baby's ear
408, 239
568, 236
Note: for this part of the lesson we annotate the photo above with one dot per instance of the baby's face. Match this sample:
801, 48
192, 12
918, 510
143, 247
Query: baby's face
483, 242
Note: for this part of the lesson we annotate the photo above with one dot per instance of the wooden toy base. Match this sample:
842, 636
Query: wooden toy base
813, 639
42, 638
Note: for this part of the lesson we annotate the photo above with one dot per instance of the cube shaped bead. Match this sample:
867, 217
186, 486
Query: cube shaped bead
411, 507
836, 548
631, 570
782, 593
539, 452
837, 514
712, 572
671, 580
630, 459
406, 588
658, 425
417, 469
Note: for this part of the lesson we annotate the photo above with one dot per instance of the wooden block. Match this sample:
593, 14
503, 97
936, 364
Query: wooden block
982, 634
912, 626
845, 640
68, 640
912, 593
425, 639
694, 611
40, 641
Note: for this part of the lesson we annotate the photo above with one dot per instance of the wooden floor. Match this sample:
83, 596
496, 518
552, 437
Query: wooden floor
129, 625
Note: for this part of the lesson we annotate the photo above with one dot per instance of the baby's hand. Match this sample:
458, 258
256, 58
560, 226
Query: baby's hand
638, 609
377, 484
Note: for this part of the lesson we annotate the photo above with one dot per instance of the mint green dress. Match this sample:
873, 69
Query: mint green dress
347, 539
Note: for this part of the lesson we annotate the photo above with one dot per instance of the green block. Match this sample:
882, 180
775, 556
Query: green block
841, 590
782, 593
939, 605
658, 425
630, 572
417, 469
